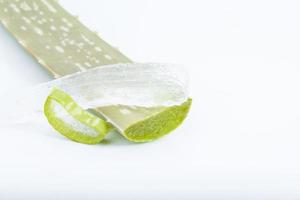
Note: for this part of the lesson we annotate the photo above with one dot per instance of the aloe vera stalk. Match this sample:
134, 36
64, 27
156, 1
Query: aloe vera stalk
63, 45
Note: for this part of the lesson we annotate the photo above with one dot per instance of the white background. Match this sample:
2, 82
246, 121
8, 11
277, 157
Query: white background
240, 140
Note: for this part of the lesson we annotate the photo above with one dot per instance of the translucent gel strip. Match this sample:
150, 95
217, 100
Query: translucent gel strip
135, 84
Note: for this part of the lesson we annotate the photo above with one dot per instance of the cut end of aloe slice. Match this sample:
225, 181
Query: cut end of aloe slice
146, 124
72, 121
158, 125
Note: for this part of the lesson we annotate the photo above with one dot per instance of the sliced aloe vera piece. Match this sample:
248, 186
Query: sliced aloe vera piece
75, 123
146, 124
147, 89
63, 45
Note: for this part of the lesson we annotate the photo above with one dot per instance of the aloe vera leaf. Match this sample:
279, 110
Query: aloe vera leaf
72, 121
63, 45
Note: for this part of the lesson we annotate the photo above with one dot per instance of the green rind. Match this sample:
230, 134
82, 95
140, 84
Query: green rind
84, 117
158, 125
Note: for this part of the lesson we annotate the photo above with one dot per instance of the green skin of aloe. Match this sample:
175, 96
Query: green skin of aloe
63, 45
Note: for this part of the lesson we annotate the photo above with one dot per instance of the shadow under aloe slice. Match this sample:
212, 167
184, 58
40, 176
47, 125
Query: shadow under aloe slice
63, 45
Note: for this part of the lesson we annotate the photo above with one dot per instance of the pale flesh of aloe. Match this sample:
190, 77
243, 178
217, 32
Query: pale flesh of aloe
64, 46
